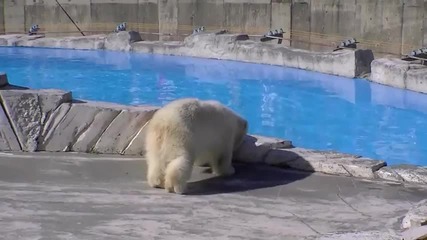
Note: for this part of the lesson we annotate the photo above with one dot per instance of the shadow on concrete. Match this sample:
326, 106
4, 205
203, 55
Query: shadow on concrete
78, 101
259, 163
247, 177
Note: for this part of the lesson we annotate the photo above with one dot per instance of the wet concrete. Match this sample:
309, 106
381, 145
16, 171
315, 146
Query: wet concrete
81, 196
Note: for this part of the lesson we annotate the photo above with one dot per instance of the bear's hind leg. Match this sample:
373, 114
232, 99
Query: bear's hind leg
224, 167
155, 172
178, 171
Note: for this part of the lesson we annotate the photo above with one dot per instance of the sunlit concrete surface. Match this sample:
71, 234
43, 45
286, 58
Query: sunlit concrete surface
81, 196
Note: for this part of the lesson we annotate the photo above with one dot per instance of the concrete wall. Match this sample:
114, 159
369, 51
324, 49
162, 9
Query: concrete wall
14, 16
390, 26
2, 17
50, 16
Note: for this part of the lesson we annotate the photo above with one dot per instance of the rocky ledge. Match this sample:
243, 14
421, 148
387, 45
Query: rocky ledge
348, 63
51, 120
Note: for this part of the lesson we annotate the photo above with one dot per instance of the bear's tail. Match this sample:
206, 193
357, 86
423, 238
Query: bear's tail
177, 173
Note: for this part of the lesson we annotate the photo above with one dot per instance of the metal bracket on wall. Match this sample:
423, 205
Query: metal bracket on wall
418, 54
350, 43
275, 34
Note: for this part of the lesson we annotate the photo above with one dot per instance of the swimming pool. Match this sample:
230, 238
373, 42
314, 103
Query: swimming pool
313, 110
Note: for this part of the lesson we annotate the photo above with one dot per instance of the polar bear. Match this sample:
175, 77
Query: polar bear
190, 131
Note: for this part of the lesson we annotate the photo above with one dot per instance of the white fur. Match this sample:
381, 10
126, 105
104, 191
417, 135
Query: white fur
190, 131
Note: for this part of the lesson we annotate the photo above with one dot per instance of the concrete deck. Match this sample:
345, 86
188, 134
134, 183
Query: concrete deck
82, 196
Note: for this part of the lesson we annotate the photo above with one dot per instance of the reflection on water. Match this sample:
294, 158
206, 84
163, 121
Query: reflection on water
314, 110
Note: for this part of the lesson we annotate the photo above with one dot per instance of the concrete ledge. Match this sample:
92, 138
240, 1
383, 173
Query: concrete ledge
400, 74
348, 63
389, 174
121, 41
12, 39
324, 161
28, 111
114, 41
80, 127
123, 130
254, 148
404, 173
81, 43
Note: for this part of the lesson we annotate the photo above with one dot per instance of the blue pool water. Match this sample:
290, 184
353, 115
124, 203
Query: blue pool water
314, 110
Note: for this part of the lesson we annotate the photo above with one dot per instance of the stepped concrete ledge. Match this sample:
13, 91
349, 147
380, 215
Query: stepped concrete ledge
400, 74
238, 47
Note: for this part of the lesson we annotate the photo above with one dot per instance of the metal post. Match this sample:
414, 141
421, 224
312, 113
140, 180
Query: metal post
70, 18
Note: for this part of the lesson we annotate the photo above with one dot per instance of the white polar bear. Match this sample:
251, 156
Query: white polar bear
191, 131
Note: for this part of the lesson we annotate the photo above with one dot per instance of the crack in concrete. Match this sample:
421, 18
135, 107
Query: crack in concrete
303, 222
348, 204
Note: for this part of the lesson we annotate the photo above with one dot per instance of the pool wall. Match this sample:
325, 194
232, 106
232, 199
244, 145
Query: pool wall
348, 63
51, 120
